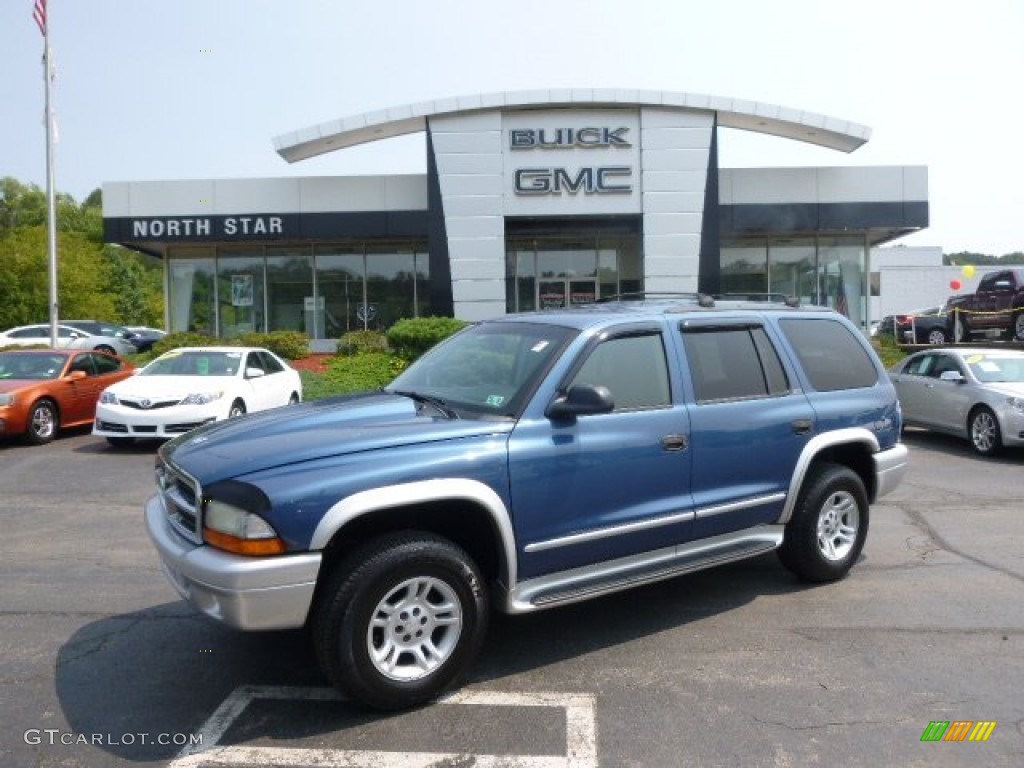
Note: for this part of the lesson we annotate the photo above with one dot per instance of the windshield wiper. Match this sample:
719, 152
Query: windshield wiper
437, 402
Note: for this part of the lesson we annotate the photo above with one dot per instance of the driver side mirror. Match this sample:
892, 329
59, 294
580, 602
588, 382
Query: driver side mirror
581, 400
952, 376
254, 373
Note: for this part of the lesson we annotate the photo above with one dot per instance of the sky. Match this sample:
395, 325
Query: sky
149, 90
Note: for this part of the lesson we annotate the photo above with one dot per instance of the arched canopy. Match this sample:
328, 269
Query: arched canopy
770, 119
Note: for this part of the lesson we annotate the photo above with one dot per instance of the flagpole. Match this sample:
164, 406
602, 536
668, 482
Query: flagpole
51, 190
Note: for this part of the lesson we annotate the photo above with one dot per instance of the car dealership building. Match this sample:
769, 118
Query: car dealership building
531, 201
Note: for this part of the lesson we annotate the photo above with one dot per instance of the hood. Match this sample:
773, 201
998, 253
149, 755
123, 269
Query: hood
319, 429
1008, 388
13, 385
167, 387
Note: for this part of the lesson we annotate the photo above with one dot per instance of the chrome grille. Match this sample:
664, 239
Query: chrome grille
180, 495
147, 405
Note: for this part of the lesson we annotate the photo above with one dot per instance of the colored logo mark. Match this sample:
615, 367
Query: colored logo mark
958, 730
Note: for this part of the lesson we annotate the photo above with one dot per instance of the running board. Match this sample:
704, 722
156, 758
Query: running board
605, 578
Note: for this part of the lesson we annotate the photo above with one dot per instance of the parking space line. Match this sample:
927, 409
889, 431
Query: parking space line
581, 735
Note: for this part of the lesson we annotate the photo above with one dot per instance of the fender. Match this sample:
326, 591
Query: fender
816, 445
389, 496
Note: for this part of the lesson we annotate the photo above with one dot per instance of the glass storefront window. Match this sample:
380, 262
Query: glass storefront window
291, 305
192, 291
744, 267
240, 294
339, 279
841, 264
390, 286
791, 269
556, 272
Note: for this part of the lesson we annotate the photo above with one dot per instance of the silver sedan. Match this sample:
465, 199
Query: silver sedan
970, 392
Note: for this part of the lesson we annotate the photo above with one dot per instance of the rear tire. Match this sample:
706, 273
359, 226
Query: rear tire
1017, 332
826, 533
937, 336
400, 620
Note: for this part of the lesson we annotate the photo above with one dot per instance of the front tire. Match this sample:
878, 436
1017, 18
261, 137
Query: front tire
826, 533
937, 336
237, 409
42, 423
983, 428
400, 620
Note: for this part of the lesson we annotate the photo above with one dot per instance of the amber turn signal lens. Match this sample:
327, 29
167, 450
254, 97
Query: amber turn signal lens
251, 547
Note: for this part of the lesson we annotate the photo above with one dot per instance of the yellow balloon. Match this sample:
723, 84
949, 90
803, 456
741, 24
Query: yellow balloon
968, 270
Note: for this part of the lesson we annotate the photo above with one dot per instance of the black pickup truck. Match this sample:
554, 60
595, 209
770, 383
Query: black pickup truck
997, 307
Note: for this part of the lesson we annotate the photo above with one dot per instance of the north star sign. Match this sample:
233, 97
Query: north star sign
206, 226
591, 180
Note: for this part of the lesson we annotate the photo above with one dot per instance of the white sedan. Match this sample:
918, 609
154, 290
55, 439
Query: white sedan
191, 386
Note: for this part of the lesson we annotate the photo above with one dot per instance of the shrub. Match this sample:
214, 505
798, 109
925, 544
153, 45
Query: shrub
356, 342
411, 338
358, 373
291, 345
184, 339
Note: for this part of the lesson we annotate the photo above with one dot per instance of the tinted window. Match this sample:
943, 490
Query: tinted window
270, 363
732, 363
633, 368
106, 364
831, 356
84, 364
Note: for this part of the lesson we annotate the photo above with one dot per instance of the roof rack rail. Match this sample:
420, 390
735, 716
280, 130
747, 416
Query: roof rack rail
778, 298
702, 299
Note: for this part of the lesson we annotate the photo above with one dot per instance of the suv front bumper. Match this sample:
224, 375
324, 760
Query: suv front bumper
890, 467
250, 593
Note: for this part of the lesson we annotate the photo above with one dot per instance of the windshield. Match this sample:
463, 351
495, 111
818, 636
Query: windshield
488, 369
41, 367
997, 368
194, 363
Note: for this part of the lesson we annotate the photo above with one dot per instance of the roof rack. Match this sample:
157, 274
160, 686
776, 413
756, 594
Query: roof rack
702, 299
777, 298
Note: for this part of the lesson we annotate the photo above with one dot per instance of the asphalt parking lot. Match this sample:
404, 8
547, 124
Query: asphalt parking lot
742, 666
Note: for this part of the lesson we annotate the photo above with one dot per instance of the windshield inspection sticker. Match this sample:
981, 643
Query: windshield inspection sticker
975, 359
495, 400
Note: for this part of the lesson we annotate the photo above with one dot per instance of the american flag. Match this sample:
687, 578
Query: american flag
39, 14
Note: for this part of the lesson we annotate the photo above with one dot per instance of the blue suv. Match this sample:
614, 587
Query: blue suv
529, 462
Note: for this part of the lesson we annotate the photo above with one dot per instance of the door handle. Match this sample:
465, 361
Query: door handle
802, 426
674, 442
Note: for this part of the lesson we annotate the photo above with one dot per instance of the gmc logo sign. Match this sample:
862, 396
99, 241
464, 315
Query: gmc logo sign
607, 180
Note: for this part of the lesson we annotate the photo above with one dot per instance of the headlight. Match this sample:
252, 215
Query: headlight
1017, 403
202, 398
229, 522
108, 398
7, 399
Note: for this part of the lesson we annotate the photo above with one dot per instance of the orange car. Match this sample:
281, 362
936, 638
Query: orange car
45, 390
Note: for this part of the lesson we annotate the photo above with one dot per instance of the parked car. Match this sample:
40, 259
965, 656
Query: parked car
969, 392
45, 390
541, 459
918, 326
68, 336
995, 309
185, 388
144, 337
108, 330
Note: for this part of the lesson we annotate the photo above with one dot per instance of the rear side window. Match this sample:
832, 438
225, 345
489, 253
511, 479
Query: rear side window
831, 356
733, 363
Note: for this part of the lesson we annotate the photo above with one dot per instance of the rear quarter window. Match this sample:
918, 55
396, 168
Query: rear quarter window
832, 357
